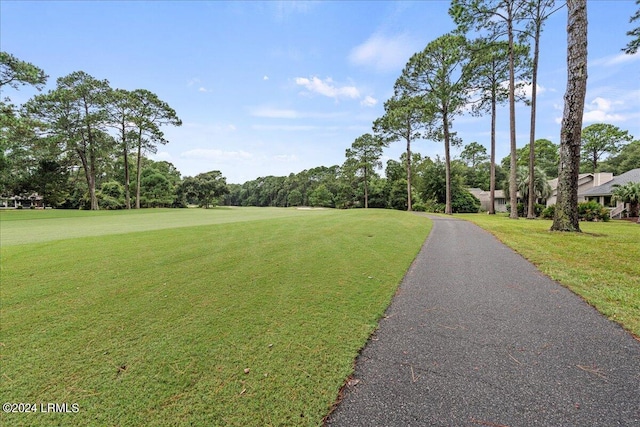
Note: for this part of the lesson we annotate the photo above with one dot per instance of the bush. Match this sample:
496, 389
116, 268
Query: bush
522, 207
592, 211
419, 207
464, 202
548, 212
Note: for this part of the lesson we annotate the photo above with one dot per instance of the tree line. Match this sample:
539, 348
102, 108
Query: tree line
83, 144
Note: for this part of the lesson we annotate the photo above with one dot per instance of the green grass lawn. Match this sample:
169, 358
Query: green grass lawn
151, 317
602, 264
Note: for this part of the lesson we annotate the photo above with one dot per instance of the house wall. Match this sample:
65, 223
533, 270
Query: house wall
585, 182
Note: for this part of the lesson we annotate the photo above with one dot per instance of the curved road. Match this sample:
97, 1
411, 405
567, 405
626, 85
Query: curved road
477, 336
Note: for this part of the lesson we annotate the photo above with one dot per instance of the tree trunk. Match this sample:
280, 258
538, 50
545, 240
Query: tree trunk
447, 165
531, 213
366, 190
127, 194
138, 170
492, 189
566, 212
88, 177
513, 188
125, 154
409, 207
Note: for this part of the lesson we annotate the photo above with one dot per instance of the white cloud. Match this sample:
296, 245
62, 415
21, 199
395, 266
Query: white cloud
526, 89
193, 81
620, 58
327, 88
214, 154
600, 110
384, 53
265, 77
203, 89
368, 101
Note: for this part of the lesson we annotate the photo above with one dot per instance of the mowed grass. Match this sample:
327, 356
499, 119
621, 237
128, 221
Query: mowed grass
157, 327
602, 264
28, 226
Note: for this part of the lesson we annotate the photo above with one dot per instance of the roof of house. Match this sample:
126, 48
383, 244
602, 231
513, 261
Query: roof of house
607, 188
482, 194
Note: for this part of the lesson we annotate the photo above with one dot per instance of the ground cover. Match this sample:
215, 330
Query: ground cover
601, 264
29, 226
158, 327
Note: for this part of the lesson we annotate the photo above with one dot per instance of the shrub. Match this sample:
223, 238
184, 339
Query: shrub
464, 202
419, 207
548, 212
592, 211
522, 207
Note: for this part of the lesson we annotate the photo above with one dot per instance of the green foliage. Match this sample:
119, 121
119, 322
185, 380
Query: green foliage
405, 117
541, 184
111, 195
464, 202
629, 193
546, 154
439, 75
592, 211
364, 156
627, 158
548, 212
321, 197
204, 188
432, 185
538, 208
600, 140
15, 72
634, 43
295, 198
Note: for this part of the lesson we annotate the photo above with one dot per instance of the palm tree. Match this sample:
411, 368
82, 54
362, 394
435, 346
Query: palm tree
628, 193
542, 189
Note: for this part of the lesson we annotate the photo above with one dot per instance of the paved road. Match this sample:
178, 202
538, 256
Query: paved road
476, 336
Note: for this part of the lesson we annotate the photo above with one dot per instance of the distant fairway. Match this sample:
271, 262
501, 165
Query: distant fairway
151, 317
28, 226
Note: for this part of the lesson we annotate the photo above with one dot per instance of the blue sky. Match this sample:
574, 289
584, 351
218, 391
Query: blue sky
270, 88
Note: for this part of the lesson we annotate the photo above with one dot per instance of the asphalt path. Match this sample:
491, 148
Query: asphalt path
477, 336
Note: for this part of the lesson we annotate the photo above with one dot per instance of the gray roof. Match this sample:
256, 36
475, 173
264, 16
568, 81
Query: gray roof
607, 188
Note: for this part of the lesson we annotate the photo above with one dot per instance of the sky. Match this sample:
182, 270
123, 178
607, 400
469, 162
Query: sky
273, 88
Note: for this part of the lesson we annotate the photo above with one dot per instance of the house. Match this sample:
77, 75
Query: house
13, 202
586, 181
597, 186
602, 193
485, 199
